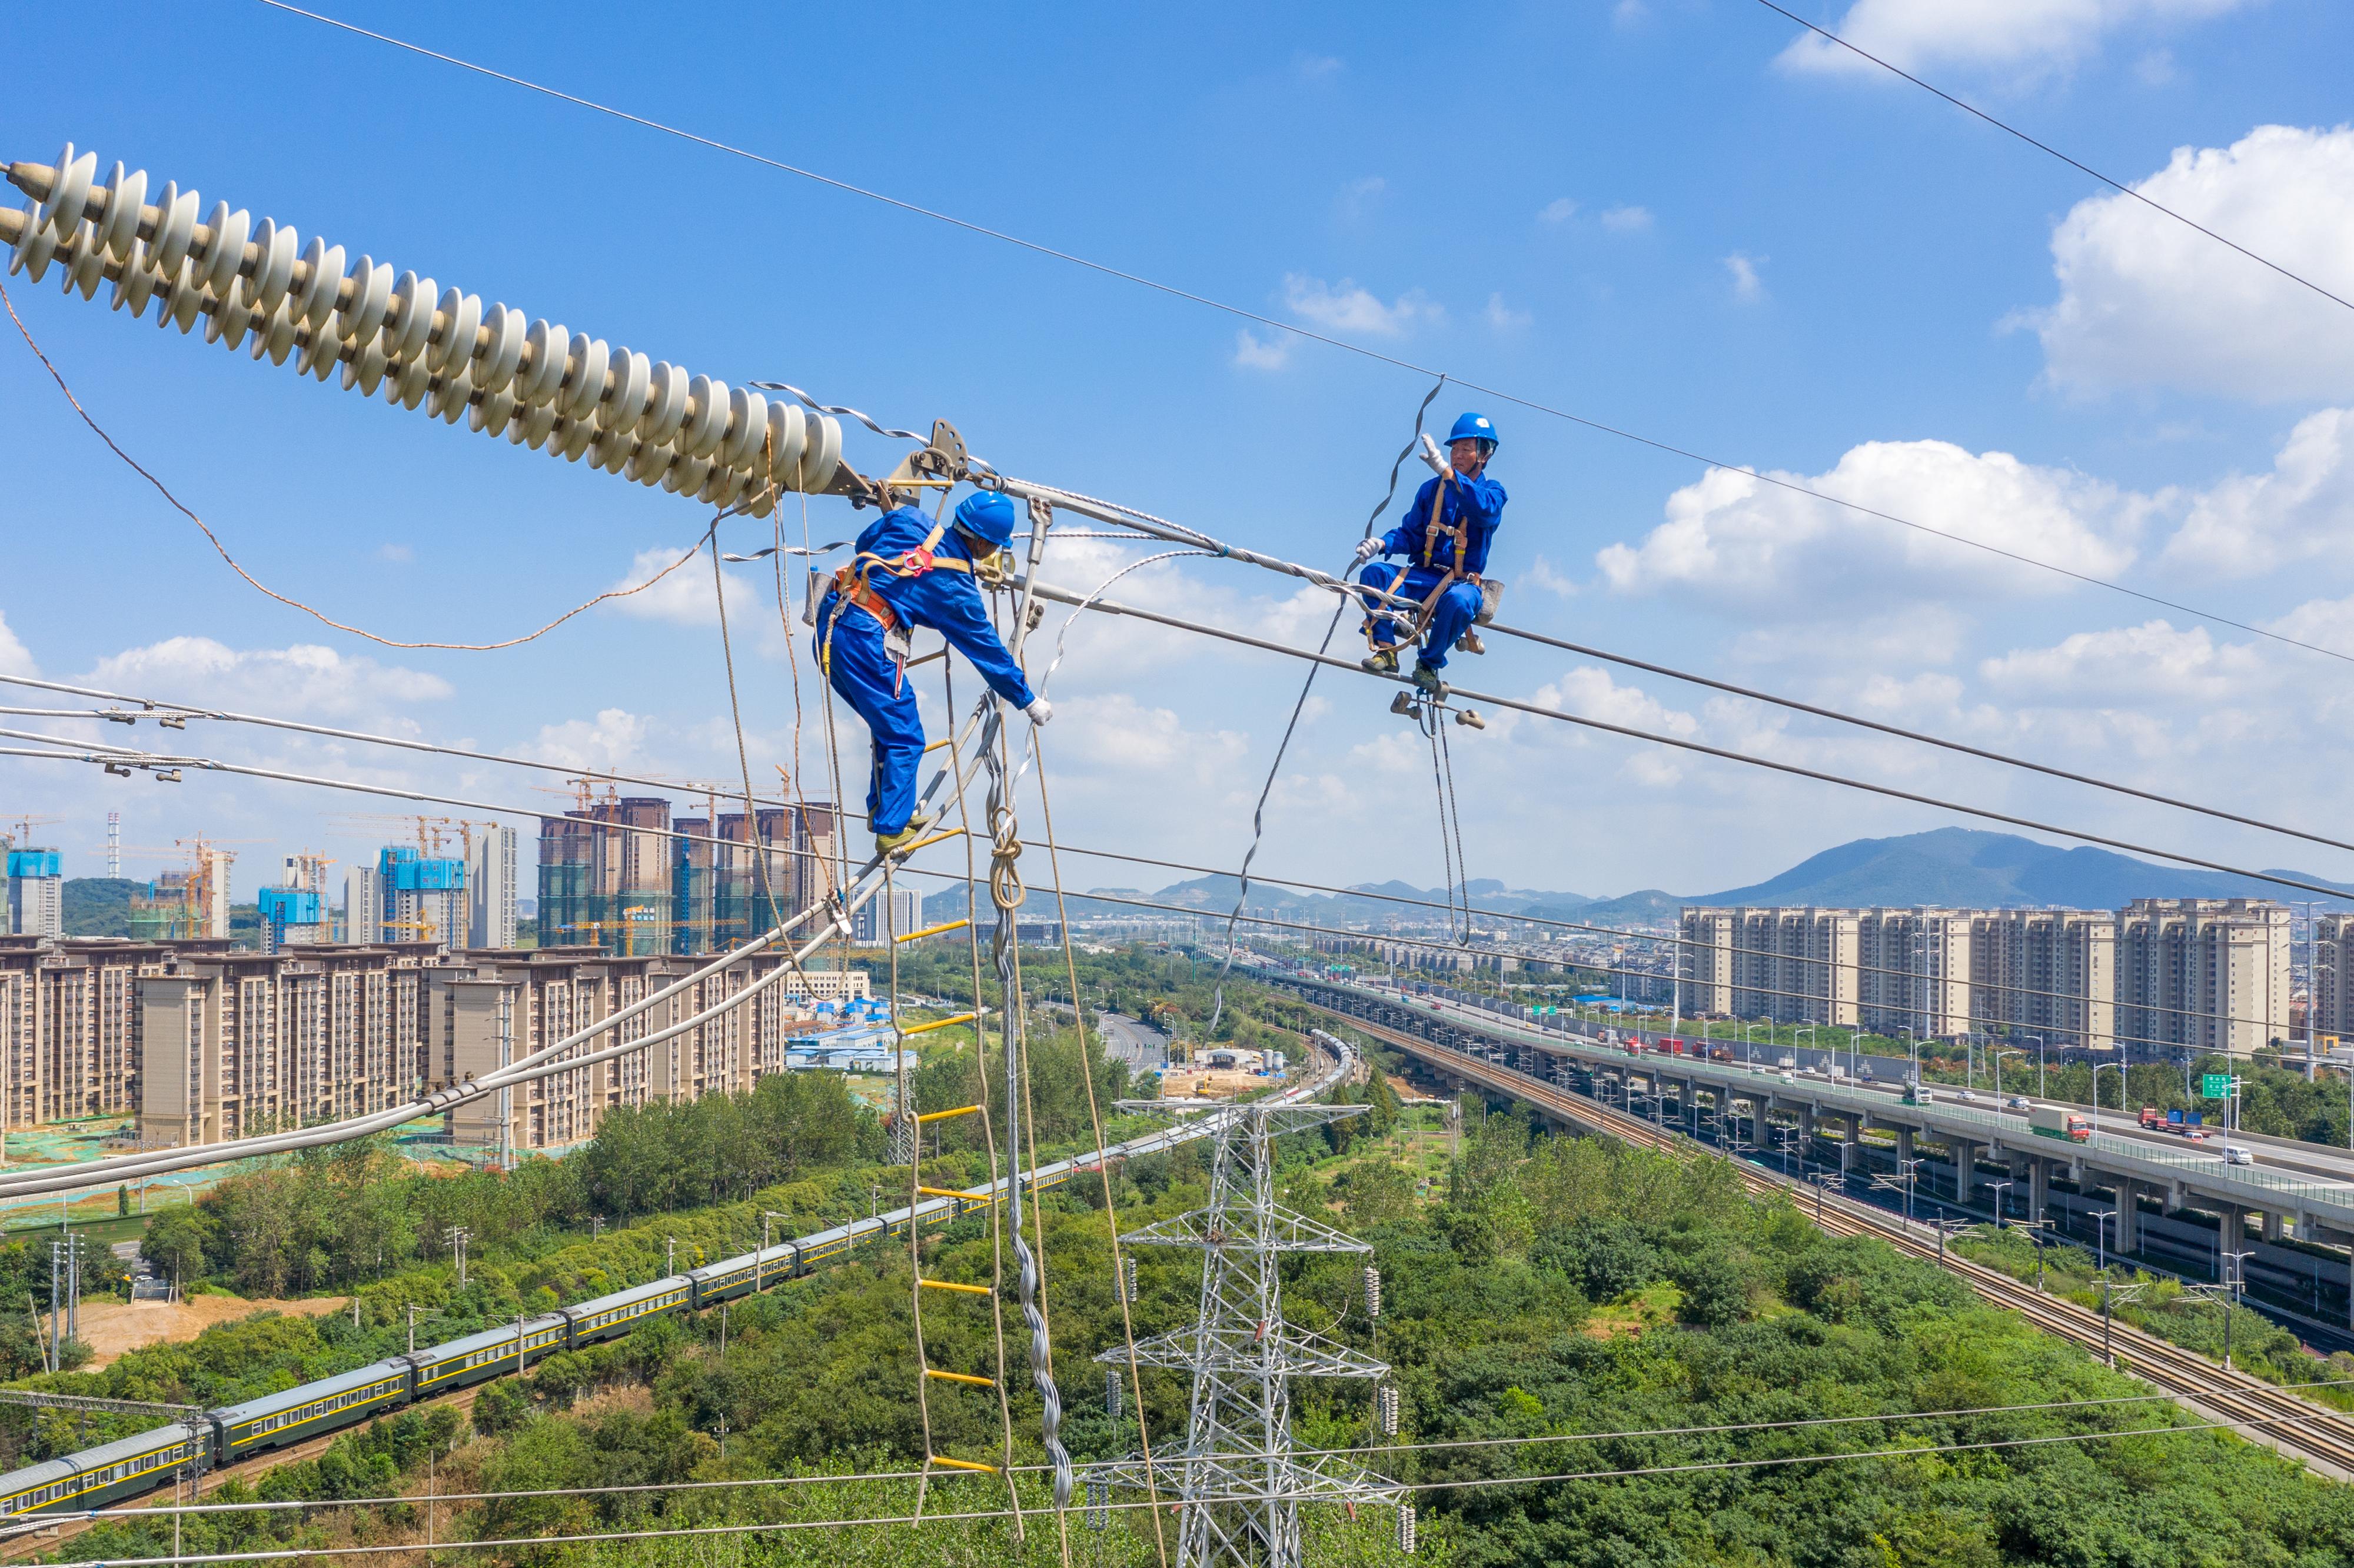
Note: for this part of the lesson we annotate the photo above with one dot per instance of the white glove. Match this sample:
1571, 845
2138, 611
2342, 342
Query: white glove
1040, 710
1367, 549
1434, 457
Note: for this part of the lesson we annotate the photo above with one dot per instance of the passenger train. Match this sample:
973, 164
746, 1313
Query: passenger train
129, 1466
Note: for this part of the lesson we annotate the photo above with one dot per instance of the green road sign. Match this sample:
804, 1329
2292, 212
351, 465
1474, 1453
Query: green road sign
2215, 1086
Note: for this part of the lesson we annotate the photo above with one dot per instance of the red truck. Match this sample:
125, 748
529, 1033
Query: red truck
2182, 1124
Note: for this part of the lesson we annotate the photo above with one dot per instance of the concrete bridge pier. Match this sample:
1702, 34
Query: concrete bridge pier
2039, 1186
1851, 1145
1966, 1169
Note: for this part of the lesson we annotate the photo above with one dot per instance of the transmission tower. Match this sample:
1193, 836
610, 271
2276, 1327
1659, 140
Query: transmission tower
1238, 1481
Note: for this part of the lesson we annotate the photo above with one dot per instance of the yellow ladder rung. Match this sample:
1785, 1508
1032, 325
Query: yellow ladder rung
952, 1285
936, 930
943, 1115
959, 1377
952, 1193
919, 843
940, 1023
963, 1464
944, 740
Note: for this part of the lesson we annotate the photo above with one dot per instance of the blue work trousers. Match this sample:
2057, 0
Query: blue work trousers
1455, 613
863, 670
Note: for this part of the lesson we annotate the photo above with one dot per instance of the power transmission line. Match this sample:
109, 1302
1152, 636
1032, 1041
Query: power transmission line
2075, 164
1239, 312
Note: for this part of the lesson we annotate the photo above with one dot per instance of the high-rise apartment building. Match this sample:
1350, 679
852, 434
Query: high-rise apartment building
37, 898
424, 896
2203, 974
2046, 973
2333, 975
904, 907
1704, 962
2211, 974
363, 904
492, 870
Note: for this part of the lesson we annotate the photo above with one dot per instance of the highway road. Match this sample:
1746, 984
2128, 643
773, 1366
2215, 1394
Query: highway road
1141, 1045
2289, 1156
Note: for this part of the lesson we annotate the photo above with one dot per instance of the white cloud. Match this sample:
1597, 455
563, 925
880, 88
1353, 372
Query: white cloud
1345, 307
2302, 510
614, 738
1542, 574
2149, 663
15, 659
1631, 12
1253, 353
2156, 68
1114, 733
400, 554
2146, 301
2028, 38
1503, 317
1318, 67
684, 597
1737, 537
1359, 197
1590, 692
1558, 210
1626, 219
302, 681
1743, 270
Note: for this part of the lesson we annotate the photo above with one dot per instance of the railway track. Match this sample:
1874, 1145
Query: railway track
2256, 1410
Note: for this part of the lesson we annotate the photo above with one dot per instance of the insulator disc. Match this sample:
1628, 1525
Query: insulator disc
125, 195
68, 191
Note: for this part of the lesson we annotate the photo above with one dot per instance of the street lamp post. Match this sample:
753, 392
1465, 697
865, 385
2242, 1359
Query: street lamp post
2040, 1064
1912, 1047
2101, 1218
1999, 1055
2119, 1069
1911, 1169
1997, 1189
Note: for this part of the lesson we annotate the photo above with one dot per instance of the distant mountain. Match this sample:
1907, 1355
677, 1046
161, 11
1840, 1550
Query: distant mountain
1649, 907
1968, 868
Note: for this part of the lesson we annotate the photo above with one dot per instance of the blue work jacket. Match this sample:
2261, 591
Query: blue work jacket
1474, 505
949, 602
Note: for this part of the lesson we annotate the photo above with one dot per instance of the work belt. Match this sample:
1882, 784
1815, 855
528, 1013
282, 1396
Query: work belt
851, 587
1434, 529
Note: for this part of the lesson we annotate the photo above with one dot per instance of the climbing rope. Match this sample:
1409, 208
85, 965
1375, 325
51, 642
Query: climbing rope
1103, 1161
1258, 811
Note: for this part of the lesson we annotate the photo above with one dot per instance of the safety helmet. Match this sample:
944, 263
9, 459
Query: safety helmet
987, 516
1473, 427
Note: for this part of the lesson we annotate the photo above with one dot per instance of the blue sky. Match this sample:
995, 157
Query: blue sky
1662, 215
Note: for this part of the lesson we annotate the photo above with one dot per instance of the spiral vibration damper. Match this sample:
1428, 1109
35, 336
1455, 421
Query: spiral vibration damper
259, 286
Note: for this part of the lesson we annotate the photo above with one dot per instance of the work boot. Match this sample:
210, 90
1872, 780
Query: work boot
1427, 678
891, 843
1382, 664
1469, 644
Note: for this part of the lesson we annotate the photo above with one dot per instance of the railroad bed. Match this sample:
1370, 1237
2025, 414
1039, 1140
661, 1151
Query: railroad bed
2258, 1411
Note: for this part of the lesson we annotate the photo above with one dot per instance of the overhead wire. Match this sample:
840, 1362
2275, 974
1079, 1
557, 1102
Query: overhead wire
1164, 528
68, 752
1404, 1446
1283, 745
1111, 606
2041, 146
1239, 312
265, 590
1474, 1483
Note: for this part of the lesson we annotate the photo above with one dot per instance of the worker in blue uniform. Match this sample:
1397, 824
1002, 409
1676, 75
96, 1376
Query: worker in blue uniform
909, 572
1445, 538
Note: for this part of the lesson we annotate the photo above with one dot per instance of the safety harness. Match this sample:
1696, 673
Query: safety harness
851, 585
1433, 531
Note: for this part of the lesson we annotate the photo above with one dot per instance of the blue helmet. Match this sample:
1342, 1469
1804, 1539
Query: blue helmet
987, 516
1473, 427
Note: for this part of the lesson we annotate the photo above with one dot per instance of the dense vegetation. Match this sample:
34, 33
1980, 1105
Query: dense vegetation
1601, 1300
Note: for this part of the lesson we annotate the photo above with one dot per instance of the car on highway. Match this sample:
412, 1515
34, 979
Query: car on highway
2017, 1103
2237, 1154
1967, 1097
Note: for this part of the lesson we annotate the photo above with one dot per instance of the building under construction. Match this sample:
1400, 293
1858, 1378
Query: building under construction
621, 876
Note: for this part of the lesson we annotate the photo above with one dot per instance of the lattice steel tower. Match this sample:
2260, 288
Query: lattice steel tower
1238, 1481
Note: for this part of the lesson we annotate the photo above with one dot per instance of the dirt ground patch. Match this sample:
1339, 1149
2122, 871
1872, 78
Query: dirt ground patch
110, 1328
